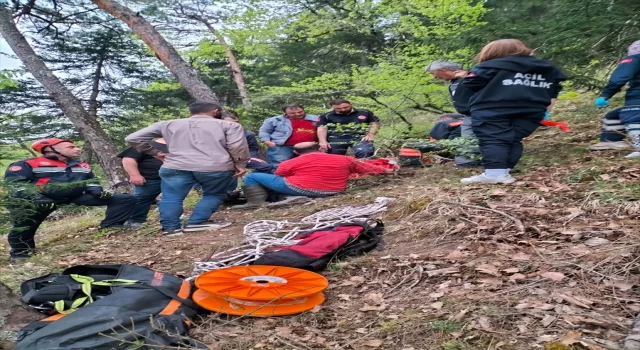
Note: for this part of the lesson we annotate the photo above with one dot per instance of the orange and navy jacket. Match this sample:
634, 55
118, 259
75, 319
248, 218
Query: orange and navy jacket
53, 178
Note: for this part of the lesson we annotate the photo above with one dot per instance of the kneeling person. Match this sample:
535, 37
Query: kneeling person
58, 179
312, 174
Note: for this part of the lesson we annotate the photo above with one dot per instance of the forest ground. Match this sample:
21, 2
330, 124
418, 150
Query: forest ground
451, 276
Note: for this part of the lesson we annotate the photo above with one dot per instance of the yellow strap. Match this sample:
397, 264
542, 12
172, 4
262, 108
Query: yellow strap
87, 282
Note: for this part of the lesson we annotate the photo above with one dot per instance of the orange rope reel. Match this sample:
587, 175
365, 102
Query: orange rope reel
260, 290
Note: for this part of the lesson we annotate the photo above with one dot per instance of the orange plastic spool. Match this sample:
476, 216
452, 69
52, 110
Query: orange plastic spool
260, 290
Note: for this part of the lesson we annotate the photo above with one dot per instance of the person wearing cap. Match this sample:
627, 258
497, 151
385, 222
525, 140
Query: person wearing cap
627, 72
454, 74
312, 173
346, 127
41, 185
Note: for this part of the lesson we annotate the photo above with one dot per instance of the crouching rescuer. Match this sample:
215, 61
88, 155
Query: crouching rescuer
40, 185
312, 174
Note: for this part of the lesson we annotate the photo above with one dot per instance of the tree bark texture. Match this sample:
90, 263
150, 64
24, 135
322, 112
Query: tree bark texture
234, 66
106, 151
186, 76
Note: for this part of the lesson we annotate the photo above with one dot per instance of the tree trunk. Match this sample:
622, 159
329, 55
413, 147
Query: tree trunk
186, 76
92, 105
25, 147
106, 151
234, 66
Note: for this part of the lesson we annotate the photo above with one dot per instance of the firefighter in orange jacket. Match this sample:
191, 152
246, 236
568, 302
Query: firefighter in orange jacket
40, 185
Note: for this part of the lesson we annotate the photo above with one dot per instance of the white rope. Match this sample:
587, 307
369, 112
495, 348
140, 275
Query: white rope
263, 235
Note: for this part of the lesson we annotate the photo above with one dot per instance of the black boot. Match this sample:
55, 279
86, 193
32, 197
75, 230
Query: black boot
256, 196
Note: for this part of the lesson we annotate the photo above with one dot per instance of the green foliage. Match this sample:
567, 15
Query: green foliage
7, 80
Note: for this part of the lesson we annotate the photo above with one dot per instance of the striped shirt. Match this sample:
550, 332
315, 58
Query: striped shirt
321, 173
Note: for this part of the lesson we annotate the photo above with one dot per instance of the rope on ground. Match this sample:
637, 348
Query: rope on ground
263, 235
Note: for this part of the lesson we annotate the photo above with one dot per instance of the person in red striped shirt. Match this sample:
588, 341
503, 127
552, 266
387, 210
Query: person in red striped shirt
312, 174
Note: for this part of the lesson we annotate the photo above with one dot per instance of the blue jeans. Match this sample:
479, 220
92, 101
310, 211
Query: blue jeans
176, 185
270, 182
145, 195
278, 154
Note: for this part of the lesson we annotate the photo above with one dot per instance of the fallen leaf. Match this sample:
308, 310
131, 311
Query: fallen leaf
445, 271
368, 307
386, 257
623, 286
554, 276
485, 324
605, 177
362, 331
436, 295
316, 309
570, 232
438, 305
459, 316
511, 270
548, 320
497, 192
283, 331
414, 256
521, 257
596, 241
574, 301
357, 279
488, 269
345, 297
373, 343
374, 297
571, 338
517, 276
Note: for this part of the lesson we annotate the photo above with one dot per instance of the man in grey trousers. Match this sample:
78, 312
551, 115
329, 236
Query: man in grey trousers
453, 72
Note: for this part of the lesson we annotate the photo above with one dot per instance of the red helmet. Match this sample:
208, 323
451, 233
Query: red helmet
39, 146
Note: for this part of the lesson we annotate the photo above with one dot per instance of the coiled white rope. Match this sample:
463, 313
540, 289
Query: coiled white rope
263, 235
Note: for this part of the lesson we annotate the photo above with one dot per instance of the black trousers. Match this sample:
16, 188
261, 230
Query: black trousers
500, 136
340, 145
26, 221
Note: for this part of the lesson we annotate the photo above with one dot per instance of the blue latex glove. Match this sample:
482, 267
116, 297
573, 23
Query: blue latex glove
547, 114
601, 102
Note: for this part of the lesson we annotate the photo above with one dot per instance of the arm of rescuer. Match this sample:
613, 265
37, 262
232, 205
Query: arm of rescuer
19, 176
130, 165
323, 131
478, 78
237, 147
626, 70
140, 139
364, 168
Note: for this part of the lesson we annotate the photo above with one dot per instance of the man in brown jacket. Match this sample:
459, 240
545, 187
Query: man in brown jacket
203, 150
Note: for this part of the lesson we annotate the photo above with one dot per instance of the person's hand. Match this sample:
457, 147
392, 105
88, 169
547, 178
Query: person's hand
368, 138
137, 180
601, 102
160, 156
258, 160
325, 146
270, 143
547, 115
239, 172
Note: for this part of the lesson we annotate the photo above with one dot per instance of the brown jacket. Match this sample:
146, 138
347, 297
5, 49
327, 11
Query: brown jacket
198, 143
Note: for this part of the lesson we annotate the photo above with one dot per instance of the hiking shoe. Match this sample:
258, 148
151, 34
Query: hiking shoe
133, 225
633, 155
484, 179
18, 259
206, 226
610, 145
172, 232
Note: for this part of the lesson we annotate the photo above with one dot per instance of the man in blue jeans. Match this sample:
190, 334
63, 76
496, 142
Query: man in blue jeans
203, 150
282, 132
143, 174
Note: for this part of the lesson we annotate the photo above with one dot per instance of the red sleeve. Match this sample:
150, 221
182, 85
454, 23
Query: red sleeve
285, 168
365, 168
